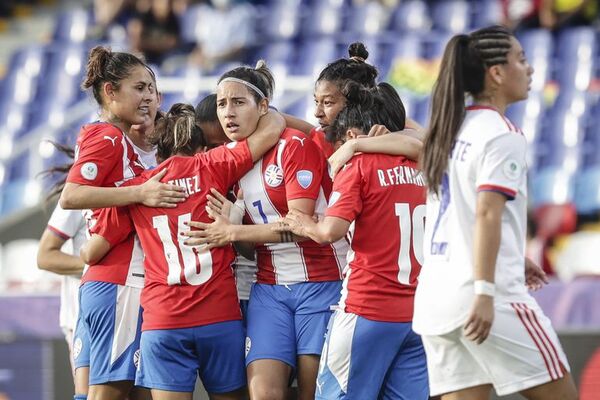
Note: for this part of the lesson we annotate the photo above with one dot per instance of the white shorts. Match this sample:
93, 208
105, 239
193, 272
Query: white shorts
522, 351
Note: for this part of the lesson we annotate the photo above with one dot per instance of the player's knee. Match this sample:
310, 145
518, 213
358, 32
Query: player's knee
268, 393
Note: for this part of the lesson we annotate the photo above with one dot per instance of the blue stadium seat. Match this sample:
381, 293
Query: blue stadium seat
575, 57
19, 194
322, 19
367, 19
450, 16
411, 15
72, 26
63, 76
281, 21
20, 83
13, 118
486, 13
314, 55
435, 44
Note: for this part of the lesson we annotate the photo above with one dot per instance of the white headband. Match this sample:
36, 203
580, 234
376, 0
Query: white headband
243, 82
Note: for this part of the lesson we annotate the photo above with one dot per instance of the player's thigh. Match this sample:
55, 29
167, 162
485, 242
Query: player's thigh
473, 393
139, 393
220, 348
116, 390
407, 378
450, 365
158, 394
562, 389
270, 327
522, 350
268, 379
168, 360
308, 367
240, 394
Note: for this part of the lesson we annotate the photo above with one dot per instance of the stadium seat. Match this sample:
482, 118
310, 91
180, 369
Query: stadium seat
314, 55
575, 55
20, 194
486, 13
20, 271
20, 83
367, 19
324, 18
552, 185
62, 79
450, 15
281, 21
72, 26
410, 15
578, 304
435, 44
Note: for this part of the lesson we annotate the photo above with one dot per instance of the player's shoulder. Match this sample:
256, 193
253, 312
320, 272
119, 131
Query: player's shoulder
294, 137
100, 133
485, 124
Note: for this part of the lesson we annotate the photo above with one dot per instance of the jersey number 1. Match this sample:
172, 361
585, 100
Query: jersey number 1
411, 231
193, 260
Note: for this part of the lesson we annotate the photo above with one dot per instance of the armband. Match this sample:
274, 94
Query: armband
484, 287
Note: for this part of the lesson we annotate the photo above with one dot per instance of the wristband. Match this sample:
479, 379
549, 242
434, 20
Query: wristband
236, 214
484, 287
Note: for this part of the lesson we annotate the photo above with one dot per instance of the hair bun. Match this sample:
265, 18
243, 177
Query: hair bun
357, 51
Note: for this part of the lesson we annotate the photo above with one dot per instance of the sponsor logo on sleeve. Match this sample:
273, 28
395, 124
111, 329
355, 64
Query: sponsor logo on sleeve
273, 175
248, 345
512, 169
304, 178
89, 171
77, 346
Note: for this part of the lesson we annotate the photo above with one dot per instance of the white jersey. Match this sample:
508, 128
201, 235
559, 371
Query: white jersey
489, 155
70, 226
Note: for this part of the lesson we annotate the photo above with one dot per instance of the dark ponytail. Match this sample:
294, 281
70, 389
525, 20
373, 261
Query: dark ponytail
464, 63
60, 170
177, 132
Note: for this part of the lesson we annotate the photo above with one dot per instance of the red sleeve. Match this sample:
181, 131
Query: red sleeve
99, 153
113, 224
346, 198
228, 163
303, 165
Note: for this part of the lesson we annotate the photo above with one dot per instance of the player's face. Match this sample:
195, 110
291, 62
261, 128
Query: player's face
329, 101
213, 133
135, 99
146, 127
517, 70
237, 110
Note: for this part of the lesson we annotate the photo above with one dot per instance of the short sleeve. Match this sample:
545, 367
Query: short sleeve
502, 166
228, 163
114, 224
97, 157
346, 201
303, 164
65, 223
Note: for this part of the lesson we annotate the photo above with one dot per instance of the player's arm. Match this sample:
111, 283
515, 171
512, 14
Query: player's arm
329, 230
94, 249
266, 135
151, 193
51, 258
397, 144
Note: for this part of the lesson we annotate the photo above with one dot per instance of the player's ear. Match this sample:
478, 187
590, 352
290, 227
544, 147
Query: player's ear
350, 134
108, 90
263, 107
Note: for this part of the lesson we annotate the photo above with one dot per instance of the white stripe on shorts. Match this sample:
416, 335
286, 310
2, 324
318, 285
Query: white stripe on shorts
127, 312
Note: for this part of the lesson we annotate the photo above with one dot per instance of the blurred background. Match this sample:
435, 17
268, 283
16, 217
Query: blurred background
43, 50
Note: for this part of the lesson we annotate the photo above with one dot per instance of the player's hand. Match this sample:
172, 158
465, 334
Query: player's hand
342, 156
378, 130
535, 277
212, 235
478, 325
153, 193
298, 223
219, 203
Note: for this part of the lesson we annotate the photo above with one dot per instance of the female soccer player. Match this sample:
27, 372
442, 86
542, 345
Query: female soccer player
125, 90
191, 312
480, 327
53, 256
371, 351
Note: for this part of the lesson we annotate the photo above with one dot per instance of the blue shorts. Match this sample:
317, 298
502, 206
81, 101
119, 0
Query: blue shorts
364, 359
171, 359
285, 321
244, 308
111, 317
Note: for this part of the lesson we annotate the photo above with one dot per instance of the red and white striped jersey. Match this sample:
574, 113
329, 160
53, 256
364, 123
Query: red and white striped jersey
293, 169
104, 157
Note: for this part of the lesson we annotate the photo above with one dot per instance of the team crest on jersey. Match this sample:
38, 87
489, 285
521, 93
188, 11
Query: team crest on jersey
248, 345
304, 178
77, 346
231, 145
89, 171
136, 359
512, 169
273, 175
